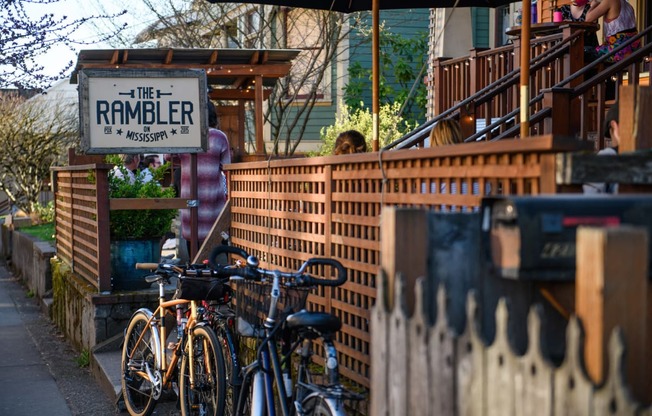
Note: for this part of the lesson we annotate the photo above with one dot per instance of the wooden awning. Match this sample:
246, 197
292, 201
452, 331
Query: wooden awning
232, 74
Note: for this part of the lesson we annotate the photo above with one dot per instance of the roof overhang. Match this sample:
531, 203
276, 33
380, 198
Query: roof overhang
231, 73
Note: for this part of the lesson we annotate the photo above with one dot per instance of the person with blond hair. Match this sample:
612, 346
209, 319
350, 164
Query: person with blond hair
446, 131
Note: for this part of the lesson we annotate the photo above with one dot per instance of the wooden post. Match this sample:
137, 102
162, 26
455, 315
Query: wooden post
573, 62
403, 248
611, 290
634, 121
438, 86
103, 239
558, 99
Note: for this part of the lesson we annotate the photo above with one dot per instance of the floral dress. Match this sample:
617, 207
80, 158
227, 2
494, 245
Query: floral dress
619, 31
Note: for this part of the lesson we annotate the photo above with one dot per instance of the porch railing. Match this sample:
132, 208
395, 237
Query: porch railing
476, 87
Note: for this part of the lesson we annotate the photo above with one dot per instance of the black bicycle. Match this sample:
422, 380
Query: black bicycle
270, 307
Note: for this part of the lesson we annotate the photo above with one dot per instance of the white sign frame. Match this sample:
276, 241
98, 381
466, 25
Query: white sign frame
143, 110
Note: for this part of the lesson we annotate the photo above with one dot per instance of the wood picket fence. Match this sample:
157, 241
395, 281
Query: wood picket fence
420, 368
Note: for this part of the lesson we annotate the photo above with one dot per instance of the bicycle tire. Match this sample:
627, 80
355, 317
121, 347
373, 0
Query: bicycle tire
207, 396
140, 395
316, 405
245, 398
229, 353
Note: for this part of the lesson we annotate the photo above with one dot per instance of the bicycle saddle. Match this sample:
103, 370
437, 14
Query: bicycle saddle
320, 322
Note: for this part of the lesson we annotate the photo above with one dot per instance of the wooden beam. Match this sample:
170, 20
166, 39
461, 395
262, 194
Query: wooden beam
403, 249
213, 58
214, 238
212, 71
232, 94
634, 121
147, 203
168, 57
240, 83
611, 290
578, 168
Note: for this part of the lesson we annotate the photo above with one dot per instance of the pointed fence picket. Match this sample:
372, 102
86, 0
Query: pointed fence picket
434, 371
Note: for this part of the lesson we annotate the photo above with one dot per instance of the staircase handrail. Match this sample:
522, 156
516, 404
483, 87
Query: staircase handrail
485, 94
635, 56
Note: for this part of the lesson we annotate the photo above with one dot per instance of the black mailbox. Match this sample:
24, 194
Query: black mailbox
534, 237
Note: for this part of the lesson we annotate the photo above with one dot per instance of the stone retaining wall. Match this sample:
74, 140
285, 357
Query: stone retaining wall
28, 259
87, 317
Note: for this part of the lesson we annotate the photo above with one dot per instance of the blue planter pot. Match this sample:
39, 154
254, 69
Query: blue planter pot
124, 256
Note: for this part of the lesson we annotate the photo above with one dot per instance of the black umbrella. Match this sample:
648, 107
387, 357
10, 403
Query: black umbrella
348, 6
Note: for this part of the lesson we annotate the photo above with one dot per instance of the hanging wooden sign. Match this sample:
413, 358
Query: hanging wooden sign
143, 111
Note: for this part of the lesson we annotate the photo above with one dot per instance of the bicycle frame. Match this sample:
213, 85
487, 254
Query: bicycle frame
159, 315
267, 354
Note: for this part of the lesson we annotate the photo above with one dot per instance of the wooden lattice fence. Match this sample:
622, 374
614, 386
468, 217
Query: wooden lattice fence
286, 211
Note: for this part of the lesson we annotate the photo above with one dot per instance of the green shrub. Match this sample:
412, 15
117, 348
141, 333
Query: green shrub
43, 213
391, 127
140, 224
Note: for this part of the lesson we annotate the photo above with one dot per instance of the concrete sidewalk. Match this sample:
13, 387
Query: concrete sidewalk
39, 374
28, 387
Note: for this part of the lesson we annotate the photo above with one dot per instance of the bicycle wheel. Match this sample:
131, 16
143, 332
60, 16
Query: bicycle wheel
232, 388
206, 396
317, 406
139, 358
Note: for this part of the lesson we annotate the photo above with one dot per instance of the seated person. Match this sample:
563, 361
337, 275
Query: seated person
611, 131
619, 25
576, 12
350, 141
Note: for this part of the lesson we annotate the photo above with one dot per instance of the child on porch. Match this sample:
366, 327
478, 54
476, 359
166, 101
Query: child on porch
618, 26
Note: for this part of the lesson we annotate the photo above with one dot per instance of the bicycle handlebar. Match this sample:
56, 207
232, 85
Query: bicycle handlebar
251, 271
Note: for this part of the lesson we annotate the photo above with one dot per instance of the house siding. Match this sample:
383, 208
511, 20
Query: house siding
411, 22
480, 23
404, 22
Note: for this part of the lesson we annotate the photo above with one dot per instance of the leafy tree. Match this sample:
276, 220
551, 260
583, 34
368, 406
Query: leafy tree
392, 126
29, 31
401, 59
32, 141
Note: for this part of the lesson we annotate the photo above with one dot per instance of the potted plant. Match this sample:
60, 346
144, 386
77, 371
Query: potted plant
136, 234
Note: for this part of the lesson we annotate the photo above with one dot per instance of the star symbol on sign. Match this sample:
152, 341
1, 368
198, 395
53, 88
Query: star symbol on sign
119, 132
173, 132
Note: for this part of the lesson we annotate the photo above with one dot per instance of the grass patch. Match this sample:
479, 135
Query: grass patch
44, 232
84, 359
30, 293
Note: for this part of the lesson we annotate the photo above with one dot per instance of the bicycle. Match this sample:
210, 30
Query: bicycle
146, 367
267, 382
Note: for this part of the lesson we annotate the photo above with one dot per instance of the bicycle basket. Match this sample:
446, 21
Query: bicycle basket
252, 304
195, 288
